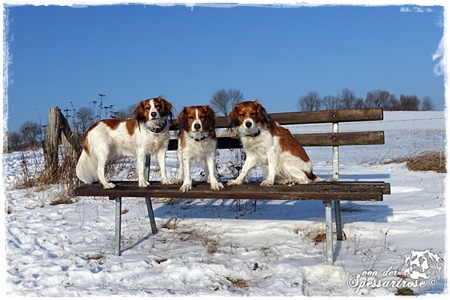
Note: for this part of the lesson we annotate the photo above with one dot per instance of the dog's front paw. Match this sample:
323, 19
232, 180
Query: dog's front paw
288, 182
267, 183
109, 185
216, 186
167, 181
178, 181
186, 187
234, 182
144, 183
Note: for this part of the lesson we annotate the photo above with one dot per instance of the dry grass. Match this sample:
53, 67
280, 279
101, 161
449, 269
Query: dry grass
25, 178
316, 235
62, 201
31, 175
171, 224
95, 256
211, 244
404, 292
100, 258
185, 233
426, 161
160, 260
239, 283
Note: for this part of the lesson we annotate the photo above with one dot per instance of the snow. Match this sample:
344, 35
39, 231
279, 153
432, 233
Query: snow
227, 248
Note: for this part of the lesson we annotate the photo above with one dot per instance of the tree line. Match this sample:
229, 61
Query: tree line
32, 134
378, 98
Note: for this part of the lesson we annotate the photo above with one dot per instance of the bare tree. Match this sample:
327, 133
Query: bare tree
427, 104
125, 113
359, 103
347, 99
378, 98
393, 103
85, 118
330, 102
30, 131
383, 99
310, 102
224, 100
15, 141
409, 103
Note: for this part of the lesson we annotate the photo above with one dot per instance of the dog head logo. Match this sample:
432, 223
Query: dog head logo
422, 264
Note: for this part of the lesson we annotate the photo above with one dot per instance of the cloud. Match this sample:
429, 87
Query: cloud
438, 56
416, 9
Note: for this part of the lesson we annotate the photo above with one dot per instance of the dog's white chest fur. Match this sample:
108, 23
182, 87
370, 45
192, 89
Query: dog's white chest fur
260, 145
152, 141
196, 150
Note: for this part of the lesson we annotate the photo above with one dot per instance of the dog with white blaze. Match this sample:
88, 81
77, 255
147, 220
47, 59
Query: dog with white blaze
197, 142
146, 133
270, 144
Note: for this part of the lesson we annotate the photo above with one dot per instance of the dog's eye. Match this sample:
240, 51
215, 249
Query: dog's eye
202, 117
241, 115
157, 106
253, 114
147, 108
191, 117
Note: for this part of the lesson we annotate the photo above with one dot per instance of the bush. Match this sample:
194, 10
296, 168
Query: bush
428, 161
425, 161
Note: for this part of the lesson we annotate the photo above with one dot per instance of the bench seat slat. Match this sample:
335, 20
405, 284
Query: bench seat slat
351, 190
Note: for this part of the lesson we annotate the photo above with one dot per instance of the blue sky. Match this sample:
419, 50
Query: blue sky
134, 52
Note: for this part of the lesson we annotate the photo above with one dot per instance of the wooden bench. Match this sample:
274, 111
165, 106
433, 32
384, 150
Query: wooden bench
330, 191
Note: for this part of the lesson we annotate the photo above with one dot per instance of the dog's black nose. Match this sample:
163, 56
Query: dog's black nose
197, 126
248, 124
154, 114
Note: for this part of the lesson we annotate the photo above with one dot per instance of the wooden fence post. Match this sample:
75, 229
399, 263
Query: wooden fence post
51, 144
58, 130
70, 140
5, 141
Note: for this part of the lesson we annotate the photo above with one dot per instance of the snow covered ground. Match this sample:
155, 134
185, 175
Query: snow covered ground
224, 248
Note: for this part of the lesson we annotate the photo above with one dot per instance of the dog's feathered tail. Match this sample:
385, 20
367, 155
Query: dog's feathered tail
313, 177
87, 168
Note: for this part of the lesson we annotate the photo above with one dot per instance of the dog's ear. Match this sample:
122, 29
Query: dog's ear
139, 112
262, 113
233, 116
166, 107
182, 118
211, 117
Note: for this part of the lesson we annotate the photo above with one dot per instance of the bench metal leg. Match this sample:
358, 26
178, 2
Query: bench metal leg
118, 225
337, 203
151, 215
329, 232
337, 215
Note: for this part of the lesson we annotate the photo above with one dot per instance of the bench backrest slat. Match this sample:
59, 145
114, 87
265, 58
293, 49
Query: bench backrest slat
315, 139
341, 138
324, 116
311, 139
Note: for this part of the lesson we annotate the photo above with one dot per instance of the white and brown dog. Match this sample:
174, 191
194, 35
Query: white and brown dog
197, 143
265, 141
146, 133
